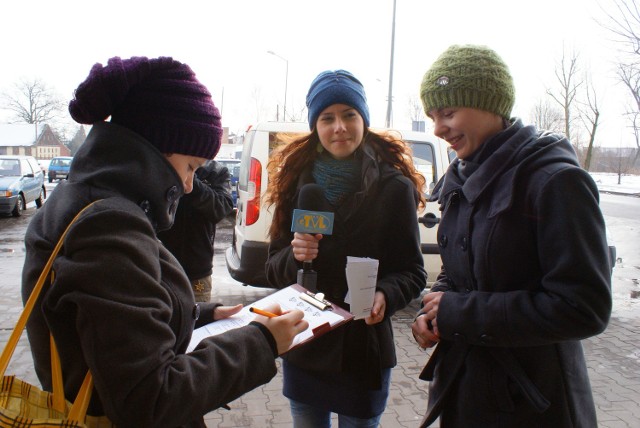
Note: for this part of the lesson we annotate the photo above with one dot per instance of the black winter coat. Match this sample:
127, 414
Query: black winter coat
120, 304
379, 222
526, 276
192, 235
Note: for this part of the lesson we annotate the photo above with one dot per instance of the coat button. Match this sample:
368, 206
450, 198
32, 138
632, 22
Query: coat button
486, 339
146, 206
464, 244
172, 193
442, 242
459, 338
196, 312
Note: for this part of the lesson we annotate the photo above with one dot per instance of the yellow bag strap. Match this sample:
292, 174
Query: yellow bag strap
12, 343
58, 400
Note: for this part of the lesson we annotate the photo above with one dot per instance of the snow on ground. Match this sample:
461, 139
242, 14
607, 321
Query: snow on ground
625, 235
608, 182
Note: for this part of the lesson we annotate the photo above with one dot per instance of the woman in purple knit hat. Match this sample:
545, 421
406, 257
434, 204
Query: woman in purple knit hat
121, 306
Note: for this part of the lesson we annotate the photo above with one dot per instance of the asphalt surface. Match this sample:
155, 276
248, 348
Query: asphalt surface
613, 357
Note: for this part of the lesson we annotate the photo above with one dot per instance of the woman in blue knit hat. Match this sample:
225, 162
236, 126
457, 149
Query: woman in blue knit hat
526, 271
370, 184
121, 306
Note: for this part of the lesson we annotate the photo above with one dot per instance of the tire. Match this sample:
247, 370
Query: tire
41, 197
20, 204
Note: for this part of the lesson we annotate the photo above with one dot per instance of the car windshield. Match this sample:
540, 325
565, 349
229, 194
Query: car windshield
9, 167
61, 162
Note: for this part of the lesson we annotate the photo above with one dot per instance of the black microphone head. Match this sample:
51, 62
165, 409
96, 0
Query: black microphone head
311, 198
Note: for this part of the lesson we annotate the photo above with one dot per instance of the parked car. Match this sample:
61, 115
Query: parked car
21, 182
233, 165
246, 257
59, 168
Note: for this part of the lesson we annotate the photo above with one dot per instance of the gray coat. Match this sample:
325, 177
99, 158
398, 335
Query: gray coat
121, 305
526, 276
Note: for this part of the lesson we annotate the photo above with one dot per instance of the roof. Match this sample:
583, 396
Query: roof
15, 156
21, 134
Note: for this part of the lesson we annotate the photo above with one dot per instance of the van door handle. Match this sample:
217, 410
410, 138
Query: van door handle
429, 220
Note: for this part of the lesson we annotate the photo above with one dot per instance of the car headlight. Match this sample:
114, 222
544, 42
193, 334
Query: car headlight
5, 193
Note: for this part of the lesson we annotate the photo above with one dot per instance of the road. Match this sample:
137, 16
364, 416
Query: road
620, 206
613, 357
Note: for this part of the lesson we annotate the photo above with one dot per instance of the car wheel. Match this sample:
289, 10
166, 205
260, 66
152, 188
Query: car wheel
20, 204
41, 197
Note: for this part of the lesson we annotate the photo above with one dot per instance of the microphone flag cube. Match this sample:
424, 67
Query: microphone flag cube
312, 222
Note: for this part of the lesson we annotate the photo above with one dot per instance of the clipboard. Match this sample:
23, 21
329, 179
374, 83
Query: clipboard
321, 314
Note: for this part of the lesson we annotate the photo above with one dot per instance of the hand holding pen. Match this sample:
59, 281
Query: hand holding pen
283, 326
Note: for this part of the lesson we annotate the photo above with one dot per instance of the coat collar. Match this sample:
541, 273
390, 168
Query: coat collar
521, 147
116, 161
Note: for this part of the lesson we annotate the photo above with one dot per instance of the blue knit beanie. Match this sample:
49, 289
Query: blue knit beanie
336, 87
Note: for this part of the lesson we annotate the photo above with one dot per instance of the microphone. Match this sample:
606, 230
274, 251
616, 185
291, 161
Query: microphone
312, 218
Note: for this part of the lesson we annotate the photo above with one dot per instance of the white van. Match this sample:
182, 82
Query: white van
247, 255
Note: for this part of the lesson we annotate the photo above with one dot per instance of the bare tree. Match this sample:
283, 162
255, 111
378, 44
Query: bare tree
297, 114
590, 116
256, 95
31, 101
545, 116
622, 163
623, 21
629, 75
567, 75
415, 110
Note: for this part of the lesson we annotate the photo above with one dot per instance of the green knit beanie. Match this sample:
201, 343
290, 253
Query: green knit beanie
469, 76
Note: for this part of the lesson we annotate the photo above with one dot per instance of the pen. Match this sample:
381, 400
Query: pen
261, 312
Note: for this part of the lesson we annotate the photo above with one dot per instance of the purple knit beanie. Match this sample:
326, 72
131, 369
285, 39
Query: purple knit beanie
159, 98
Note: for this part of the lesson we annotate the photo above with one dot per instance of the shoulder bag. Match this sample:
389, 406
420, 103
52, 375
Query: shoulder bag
25, 405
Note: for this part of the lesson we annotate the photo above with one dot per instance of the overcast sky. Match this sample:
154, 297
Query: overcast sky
226, 44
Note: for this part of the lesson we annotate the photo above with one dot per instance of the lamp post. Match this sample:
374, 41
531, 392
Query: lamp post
390, 95
286, 81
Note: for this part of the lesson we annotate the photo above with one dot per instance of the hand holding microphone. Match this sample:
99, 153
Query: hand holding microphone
305, 246
309, 223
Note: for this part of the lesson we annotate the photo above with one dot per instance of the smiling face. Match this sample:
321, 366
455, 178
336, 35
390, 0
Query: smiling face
341, 129
186, 167
465, 129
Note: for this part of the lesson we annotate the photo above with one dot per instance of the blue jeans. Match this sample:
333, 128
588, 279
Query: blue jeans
306, 416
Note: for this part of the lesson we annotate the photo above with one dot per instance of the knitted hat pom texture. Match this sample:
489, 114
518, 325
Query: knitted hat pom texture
336, 87
469, 76
158, 98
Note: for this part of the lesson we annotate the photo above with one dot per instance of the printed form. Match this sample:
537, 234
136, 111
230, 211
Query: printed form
362, 275
288, 299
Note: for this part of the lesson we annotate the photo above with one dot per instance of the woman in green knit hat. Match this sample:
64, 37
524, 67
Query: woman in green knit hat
526, 273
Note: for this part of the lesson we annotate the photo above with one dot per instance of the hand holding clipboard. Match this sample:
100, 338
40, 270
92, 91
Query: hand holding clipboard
289, 298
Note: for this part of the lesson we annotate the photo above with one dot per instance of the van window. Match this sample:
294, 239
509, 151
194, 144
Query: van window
423, 159
245, 161
275, 140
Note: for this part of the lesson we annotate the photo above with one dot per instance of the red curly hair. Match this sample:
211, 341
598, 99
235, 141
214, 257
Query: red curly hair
296, 154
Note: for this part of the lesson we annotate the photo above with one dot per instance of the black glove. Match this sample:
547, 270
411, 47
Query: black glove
214, 174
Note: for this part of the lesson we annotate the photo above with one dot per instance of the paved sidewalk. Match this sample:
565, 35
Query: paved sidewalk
613, 359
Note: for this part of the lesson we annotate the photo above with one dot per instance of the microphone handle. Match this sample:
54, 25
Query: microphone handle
307, 277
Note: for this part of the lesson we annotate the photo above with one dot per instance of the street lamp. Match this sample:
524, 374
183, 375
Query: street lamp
286, 81
390, 96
